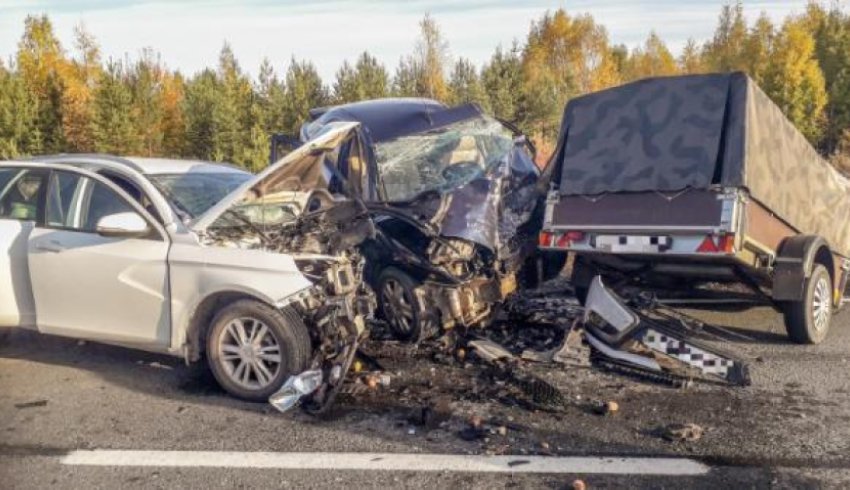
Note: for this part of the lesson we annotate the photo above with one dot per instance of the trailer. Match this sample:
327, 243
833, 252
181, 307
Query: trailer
676, 182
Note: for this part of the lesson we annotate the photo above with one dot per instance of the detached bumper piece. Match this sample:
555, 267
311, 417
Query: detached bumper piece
635, 342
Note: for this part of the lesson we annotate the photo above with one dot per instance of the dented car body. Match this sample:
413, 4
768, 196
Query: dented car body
454, 197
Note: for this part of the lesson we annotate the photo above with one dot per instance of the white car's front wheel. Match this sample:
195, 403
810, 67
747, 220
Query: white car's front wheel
253, 348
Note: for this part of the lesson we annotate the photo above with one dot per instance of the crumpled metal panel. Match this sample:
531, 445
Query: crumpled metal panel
489, 210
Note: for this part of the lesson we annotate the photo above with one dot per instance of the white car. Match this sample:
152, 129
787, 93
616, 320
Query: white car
259, 275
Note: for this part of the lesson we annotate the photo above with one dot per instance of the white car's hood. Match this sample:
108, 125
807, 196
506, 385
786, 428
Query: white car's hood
326, 141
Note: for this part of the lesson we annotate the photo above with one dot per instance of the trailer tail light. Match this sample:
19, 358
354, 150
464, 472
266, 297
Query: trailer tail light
726, 244
565, 240
708, 246
719, 244
559, 240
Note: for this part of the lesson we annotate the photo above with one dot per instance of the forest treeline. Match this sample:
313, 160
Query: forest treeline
55, 98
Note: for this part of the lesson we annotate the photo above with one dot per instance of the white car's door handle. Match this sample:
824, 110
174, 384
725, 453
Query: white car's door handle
51, 246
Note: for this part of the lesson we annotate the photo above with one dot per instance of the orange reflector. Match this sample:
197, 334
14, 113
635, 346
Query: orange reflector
545, 239
726, 244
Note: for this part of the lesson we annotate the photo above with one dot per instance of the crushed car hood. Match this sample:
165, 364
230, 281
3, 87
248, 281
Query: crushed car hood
313, 175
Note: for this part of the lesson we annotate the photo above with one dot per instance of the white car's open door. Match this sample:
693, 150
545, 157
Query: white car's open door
16, 302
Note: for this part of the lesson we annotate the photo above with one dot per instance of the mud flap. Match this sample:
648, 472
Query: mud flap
625, 337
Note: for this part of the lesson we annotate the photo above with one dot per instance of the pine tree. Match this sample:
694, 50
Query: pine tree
113, 128
502, 82
19, 130
405, 81
271, 99
304, 91
199, 105
372, 77
465, 85
144, 80
346, 88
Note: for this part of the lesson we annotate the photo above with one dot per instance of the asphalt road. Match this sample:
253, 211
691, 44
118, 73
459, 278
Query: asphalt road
57, 396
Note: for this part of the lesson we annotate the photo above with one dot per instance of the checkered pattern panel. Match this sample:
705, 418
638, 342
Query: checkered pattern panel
705, 361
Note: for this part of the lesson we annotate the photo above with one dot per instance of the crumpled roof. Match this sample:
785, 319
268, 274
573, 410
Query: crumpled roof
386, 119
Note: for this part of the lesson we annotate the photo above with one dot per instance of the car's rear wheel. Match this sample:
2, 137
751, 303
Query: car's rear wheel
399, 307
253, 348
808, 320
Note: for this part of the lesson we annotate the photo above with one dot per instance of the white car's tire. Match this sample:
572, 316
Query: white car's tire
252, 348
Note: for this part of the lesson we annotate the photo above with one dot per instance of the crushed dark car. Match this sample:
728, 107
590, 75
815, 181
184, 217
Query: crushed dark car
457, 202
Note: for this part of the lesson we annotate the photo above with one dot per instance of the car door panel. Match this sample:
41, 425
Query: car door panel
21, 205
90, 286
17, 307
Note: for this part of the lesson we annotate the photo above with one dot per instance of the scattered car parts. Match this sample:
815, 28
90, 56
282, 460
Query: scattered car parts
623, 336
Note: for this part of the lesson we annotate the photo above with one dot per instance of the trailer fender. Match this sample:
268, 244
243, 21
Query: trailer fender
796, 258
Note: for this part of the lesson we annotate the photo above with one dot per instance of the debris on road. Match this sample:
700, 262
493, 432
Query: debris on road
635, 341
32, 404
607, 408
571, 352
683, 432
490, 351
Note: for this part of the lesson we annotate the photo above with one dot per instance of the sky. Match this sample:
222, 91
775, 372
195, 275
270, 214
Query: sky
189, 34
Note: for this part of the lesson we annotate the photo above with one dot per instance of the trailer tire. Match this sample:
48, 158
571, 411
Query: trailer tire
807, 321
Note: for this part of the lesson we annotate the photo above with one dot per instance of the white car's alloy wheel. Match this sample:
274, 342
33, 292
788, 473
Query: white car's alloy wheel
249, 353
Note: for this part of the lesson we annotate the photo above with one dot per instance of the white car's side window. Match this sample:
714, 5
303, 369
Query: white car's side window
64, 192
78, 203
21, 193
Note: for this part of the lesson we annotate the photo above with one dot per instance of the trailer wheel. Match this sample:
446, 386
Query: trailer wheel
807, 321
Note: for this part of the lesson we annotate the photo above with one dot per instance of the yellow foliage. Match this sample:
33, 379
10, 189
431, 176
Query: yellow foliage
794, 80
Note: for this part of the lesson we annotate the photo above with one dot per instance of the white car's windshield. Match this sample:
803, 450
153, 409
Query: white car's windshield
441, 160
193, 193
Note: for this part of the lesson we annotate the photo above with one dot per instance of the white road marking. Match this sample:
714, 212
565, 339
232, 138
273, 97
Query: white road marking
390, 462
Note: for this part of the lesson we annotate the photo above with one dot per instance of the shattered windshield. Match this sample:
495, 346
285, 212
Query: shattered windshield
193, 193
441, 160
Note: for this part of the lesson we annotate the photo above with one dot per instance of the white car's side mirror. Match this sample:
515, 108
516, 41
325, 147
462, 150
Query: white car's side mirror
123, 225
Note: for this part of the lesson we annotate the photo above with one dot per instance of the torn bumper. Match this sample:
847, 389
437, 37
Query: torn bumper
337, 313
635, 339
